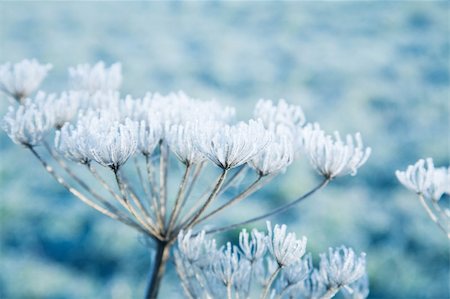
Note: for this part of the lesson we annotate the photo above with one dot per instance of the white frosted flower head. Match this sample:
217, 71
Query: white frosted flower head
282, 113
180, 140
314, 287
284, 247
358, 289
230, 146
149, 136
298, 271
191, 247
27, 124
275, 158
23, 78
424, 178
252, 246
330, 155
226, 264
96, 78
63, 108
179, 108
73, 141
112, 142
341, 266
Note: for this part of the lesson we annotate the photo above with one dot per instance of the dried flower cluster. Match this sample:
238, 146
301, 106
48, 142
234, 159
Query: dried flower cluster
94, 126
272, 265
430, 184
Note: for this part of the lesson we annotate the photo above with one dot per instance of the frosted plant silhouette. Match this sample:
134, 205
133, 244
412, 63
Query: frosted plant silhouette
127, 146
430, 184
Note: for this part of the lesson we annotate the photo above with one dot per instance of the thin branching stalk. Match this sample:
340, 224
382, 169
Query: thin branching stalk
84, 185
185, 198
163, 164
154, 199
330, 293
270, 282
432, 215
256, 185
273, 212
130, 207
210, 199
83, 198
179, 198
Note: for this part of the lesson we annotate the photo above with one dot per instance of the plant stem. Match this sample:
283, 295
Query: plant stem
159, 267
271, 213
270, 282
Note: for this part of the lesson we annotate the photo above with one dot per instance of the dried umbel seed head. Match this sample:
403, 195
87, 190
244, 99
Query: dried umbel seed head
330, 155
423, 178
231, 146
285, 247
28, 124
22, 79
96, 78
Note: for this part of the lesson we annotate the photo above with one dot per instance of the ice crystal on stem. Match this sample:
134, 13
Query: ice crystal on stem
330, 155
28, 124
430, 184
230, 146
22, 79
95, 123
230, 274
96, 78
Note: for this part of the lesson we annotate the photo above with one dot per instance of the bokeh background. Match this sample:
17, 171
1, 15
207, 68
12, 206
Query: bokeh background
381, 68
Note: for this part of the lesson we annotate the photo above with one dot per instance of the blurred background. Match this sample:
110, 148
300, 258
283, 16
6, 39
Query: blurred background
380, 68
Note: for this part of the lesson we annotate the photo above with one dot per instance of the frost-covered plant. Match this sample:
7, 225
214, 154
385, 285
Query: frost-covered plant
430, 184
20, 80
94, 126
232, 274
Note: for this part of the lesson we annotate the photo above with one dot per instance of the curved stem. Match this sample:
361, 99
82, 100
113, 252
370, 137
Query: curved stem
431, 214
154, 201
211, 197
270, 282
249, 190
128, 206
83, 198
179, 198
161, 256
163, 180
330, 293
274, 212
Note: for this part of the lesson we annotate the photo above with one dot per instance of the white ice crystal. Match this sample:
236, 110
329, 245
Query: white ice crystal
330, 155
28, 124
96, 78
23, 78
285, 247
230, 146
424, 178
341, 266
180, 140
274, 158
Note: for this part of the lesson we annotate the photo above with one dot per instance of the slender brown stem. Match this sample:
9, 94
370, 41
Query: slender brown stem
163, 180
273, 212
161, 256
211, 197
432, 216
330, 293
179, 198
83, 198
131, 209
270, 282
154, 201
244, 194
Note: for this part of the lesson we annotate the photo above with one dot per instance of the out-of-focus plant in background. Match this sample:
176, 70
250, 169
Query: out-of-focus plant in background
379, 67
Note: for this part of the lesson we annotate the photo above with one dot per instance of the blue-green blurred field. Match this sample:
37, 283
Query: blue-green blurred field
381, 68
